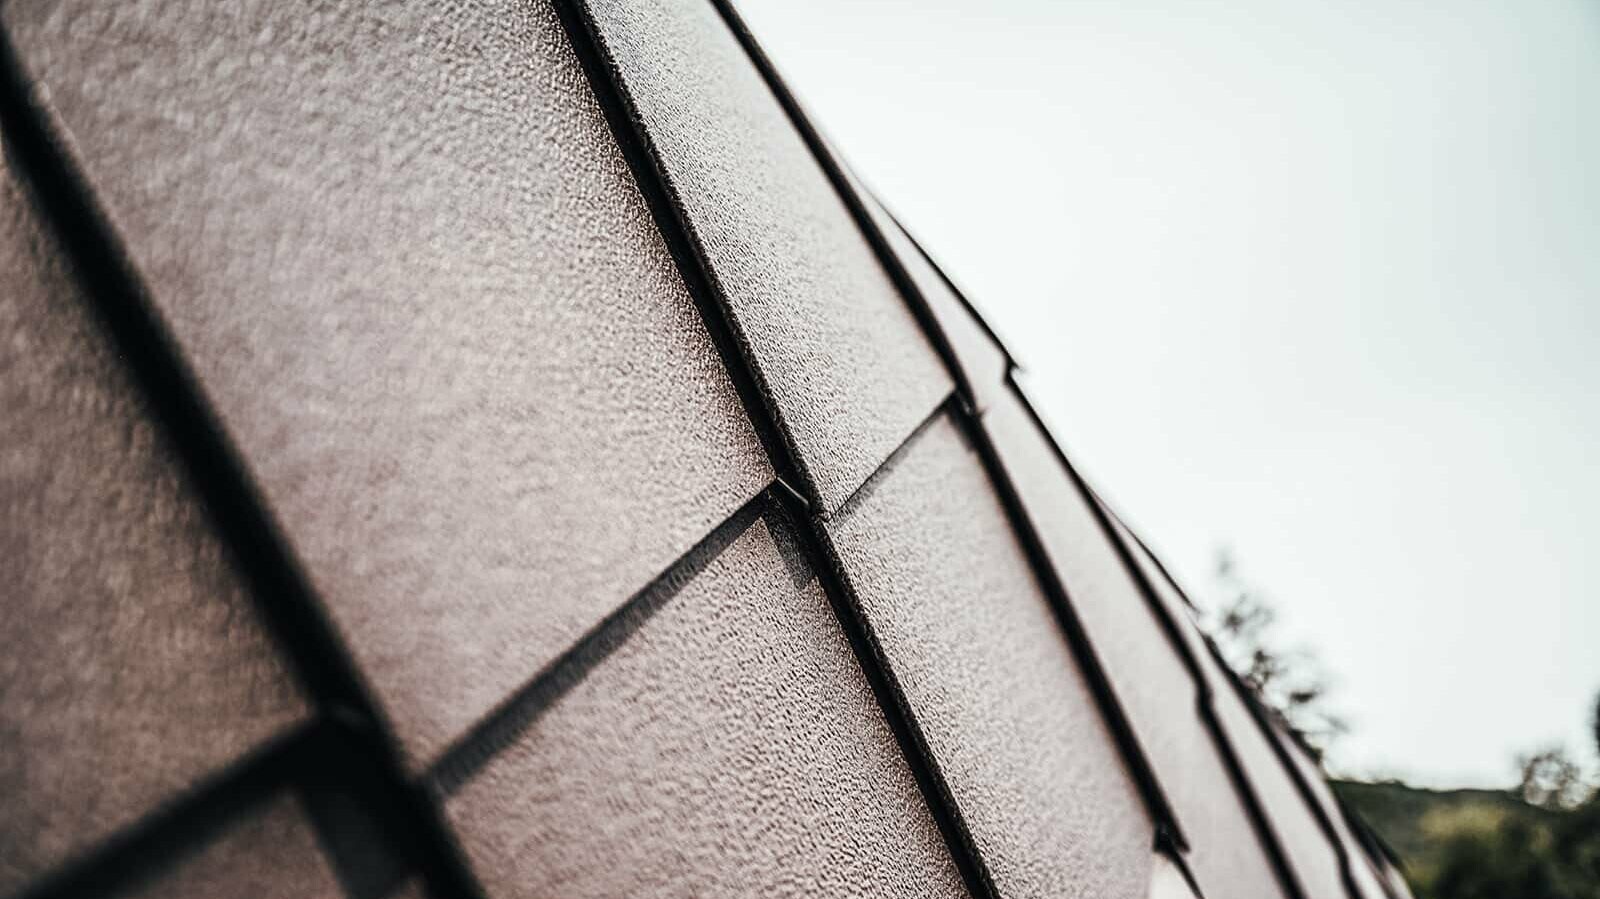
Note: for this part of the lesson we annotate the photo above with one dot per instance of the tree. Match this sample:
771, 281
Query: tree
1290, 681
1551, 779
1551, 852
1595, 723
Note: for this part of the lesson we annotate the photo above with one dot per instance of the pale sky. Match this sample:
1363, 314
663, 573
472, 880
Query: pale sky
1316, 281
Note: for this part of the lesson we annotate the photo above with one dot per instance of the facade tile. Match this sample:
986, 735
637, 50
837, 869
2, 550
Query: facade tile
730, 747
269, 852
1362, 871
414, 276
981, 358
134, 664
990, 677
1155, 687
843, 360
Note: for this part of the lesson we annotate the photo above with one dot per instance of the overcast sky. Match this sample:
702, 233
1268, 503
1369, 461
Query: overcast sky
1315, 281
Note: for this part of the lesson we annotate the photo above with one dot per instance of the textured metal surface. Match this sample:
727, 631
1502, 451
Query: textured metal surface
1157, 690
268, 852
133, 664
1307, 849
729, 748
389, 294
1148, 676
413, 273
841, 357
992, 681
1368, 878
981, 358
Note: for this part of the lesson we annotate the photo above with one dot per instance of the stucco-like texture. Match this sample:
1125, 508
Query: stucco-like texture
730, 748
266, 852
990, 677
1156, 690
477, 321
133, 664
1309, 853
843, 359
982, 360
412, 271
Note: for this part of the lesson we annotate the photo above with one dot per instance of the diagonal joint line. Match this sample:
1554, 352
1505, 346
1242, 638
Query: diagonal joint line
502, 727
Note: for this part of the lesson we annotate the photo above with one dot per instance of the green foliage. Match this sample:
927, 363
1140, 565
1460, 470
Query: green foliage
1484, 844
1539, 840
1411, 819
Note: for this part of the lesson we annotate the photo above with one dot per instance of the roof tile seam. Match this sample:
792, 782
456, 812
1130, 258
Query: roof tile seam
1326, 824
818, 546
1110, 707
1166, 573
887, 466
246, 526
886, 258
1379, 853
367, 856
684, 245
1302, 787
1258, 714
672, 220
503, 725
1180, 860
142, 851
1255, 809
1109, 704
972, 310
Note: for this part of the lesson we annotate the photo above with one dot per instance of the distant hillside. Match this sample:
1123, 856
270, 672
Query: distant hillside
1412, 820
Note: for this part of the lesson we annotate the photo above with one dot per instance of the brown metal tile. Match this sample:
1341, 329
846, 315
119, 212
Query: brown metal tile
982, 359
839, 353
1155, 687
134, 665
269, 852
990, 677
730, 747
413, 274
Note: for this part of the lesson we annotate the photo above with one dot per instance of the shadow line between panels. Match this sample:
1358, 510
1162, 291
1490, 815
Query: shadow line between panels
127, 314
503, 726
932, 328
683, 243
1271, 843
671, 219
139, 854
964, 414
